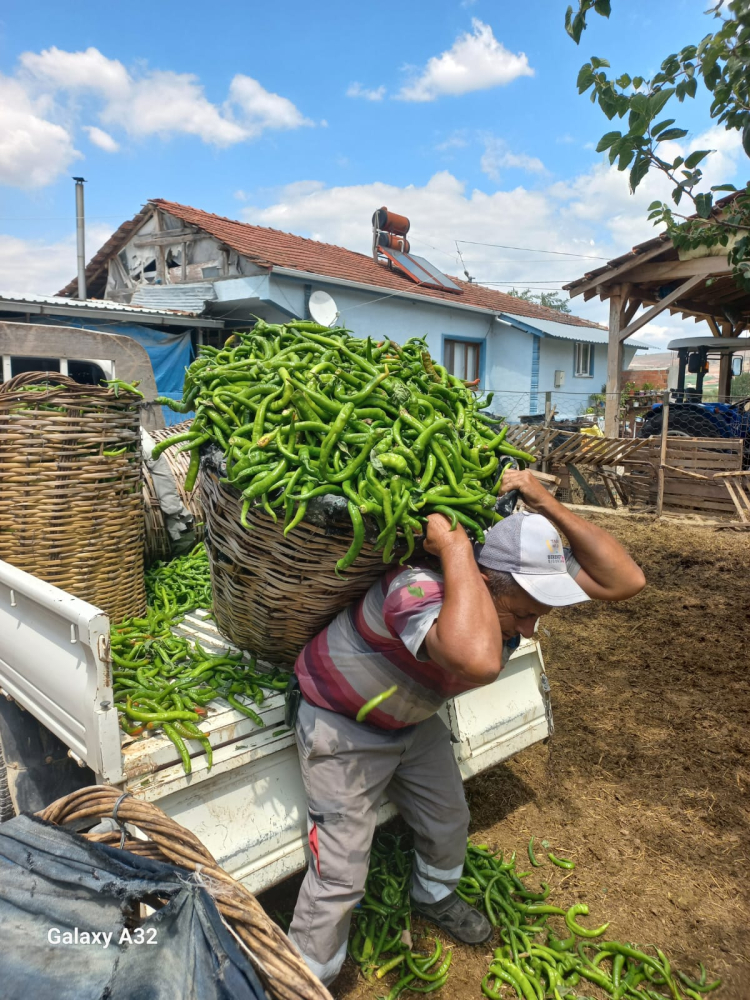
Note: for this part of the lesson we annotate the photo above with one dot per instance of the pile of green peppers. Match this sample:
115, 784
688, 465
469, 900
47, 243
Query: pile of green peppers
301, 411
534, 958
165, 681
186, 579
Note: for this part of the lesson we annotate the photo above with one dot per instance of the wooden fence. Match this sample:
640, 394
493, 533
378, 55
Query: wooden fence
689, 467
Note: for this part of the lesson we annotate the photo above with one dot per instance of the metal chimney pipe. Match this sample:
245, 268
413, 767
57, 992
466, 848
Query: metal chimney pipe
80, 234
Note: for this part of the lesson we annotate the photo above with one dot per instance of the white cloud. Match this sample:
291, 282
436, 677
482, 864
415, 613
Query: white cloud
456, 140
33, 150
41, 266
497, 155
101, 139
357, 90
260, 109
89, 70
150, 102
476, 61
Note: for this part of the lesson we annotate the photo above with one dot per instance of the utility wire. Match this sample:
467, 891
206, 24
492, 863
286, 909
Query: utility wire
561, 253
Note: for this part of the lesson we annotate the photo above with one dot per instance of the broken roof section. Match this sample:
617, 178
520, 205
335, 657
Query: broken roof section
273, 249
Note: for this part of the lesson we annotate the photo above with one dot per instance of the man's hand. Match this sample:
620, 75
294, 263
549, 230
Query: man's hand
533, 492
439, 536
607, 572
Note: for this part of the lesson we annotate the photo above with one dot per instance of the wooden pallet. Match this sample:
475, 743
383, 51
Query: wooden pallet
569, 447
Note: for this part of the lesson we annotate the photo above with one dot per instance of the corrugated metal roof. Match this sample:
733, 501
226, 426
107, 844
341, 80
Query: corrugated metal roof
592, 334
84, 304
187, 298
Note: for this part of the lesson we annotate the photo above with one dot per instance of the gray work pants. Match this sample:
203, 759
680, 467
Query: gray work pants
347, 766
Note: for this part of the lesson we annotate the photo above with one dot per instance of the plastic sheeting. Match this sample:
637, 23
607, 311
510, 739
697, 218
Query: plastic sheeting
67, 927
170, 355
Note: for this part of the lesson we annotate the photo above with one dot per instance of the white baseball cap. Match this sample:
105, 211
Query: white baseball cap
528, 547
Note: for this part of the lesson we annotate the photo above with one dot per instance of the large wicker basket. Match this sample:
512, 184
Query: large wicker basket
285, 975
71, 509
273, 594
157, 538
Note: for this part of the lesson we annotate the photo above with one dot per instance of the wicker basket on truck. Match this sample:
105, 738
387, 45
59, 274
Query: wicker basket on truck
326, 429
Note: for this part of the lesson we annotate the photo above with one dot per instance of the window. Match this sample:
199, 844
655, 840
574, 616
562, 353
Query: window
584, 361
462, 358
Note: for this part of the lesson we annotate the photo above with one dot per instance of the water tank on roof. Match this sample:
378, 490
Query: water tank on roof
390, 222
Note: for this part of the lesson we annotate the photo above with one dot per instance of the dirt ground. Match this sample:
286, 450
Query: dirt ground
645, 784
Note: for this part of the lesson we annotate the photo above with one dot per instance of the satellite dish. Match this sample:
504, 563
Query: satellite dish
323, 308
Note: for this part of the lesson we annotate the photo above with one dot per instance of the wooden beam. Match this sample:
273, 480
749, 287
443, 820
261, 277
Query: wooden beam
633, 306
714, 326
660, 306
168, 237
612, 274
614, 368
669, 270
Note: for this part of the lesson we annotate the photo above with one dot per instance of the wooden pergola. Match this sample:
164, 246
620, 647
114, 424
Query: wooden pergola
654, 277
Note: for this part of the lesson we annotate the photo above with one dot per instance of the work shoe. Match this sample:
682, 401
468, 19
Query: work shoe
463, 922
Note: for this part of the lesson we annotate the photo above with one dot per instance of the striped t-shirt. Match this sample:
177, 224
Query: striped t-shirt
376, 643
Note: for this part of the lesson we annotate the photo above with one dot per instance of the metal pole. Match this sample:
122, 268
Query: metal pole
662, 453
80, 233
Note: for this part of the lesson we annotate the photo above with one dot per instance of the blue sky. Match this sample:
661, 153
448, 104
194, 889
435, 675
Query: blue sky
464, 116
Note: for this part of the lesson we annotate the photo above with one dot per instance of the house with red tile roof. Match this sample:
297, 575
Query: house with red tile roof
171, 256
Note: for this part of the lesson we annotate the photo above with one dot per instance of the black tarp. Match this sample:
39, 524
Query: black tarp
54, 883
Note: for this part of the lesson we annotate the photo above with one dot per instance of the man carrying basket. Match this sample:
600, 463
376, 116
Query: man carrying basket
432, 635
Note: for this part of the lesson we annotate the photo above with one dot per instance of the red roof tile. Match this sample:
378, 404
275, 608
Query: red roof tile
273, 247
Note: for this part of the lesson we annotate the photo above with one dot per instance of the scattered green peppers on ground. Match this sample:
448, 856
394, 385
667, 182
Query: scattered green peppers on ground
534, 958
301, 411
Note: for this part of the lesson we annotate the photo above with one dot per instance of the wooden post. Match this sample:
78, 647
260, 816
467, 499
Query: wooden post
663, 453
725, 367
547, 418
614, 367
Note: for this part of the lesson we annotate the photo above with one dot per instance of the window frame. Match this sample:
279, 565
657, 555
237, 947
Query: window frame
578, 372
478, 342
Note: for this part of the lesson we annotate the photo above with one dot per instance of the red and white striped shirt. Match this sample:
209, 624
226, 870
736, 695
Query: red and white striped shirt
376, 643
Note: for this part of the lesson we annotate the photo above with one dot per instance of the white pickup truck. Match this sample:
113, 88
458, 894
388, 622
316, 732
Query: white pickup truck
249, 810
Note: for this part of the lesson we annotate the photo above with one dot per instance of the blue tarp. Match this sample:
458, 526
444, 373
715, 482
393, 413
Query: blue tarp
69, 927
170, 354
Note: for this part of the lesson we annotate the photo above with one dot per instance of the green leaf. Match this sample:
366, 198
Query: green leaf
415, 591
597, 63
638, 172
585, 78
657, 100
623, 81
603, 7
691, 86
637, 82
662, 125
606, 140
673, 133
695, 158
654, 205
724, 187
703, 205
625, 157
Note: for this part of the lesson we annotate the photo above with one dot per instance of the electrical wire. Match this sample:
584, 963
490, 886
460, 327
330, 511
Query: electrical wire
561, 253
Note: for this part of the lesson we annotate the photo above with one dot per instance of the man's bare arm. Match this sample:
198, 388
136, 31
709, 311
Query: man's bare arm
466, 637
607, 571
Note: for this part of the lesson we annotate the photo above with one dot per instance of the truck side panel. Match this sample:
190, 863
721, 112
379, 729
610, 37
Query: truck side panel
54, 661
